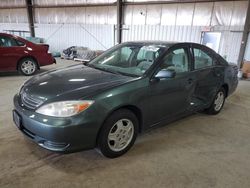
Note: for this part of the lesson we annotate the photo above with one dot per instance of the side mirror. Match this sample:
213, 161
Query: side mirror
165, 74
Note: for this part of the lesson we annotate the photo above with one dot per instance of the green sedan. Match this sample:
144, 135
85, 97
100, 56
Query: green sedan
130, 88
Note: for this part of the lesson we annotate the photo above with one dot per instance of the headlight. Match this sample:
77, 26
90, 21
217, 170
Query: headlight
64, 108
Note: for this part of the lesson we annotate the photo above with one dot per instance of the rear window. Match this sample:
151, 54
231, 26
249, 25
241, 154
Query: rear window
202, 59
9, 42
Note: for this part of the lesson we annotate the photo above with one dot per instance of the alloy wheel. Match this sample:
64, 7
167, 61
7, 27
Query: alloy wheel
28, 67
219, 100
120, 135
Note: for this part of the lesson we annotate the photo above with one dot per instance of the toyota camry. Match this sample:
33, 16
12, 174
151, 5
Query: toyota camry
127, 90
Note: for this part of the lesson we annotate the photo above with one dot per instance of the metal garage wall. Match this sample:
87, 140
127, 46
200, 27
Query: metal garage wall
5, 3
13, 15
15, 26
92, 27
68, 2
230, 42
186, 21
162, 32
61, 36
83, 15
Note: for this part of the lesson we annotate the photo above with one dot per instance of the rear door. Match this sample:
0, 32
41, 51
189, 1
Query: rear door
10, 52
208, 76
170, 97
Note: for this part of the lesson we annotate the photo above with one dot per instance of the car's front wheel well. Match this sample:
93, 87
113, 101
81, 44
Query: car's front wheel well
31, 57
133, 109
137, 113
225, 87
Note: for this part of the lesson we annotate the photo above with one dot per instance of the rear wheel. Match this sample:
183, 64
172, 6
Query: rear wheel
118, 133
218, 102
27, 66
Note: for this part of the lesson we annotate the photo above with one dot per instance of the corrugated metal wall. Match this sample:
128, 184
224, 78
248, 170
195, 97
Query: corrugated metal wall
185, 23
162, 32
83, 15
61, 36
5, 3
172, 22
15, 26
70, 2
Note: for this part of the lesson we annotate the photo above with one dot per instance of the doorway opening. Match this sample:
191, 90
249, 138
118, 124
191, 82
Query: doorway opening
211, 40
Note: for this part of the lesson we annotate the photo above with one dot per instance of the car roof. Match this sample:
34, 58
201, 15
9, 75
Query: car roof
6, 34
167, 43
10, 35
15, 36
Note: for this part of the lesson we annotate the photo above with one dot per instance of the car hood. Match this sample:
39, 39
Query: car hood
74, 82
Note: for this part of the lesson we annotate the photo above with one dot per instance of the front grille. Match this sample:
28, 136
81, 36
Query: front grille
30, 101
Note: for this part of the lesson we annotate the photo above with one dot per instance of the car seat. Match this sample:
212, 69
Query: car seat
179, 63
149, 57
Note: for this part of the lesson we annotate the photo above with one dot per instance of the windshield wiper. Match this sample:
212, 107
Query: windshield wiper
103, 69
127, 74
111, 71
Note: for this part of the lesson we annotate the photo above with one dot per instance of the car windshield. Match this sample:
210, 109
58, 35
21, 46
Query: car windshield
129, 59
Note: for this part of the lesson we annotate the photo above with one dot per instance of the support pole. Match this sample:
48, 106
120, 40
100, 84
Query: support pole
29, 6
244, 37
119, 21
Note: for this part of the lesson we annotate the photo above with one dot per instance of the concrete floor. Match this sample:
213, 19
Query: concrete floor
198, 151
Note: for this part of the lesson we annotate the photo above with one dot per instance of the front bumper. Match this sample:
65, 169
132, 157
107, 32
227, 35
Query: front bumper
58, 134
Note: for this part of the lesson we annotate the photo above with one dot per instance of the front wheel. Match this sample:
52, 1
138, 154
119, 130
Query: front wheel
218, 102
118, 133
27, 66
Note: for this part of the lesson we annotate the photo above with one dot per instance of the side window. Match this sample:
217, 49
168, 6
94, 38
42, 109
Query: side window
7, 42
176, 60
201, 59
20, 43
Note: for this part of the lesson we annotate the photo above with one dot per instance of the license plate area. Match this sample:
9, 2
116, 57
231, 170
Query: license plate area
17, 119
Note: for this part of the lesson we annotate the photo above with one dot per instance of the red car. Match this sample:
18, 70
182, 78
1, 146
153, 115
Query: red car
18, 54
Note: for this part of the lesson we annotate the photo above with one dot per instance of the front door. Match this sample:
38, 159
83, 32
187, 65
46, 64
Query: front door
171, 96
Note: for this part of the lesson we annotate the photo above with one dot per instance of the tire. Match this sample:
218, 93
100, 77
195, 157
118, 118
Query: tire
118, 133
218, 102
27, 66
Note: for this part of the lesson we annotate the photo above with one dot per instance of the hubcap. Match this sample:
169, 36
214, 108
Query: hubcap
120, 135
219, 101
28, 67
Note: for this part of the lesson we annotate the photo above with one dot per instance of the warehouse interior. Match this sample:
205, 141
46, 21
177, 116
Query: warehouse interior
195, 151
84, 23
